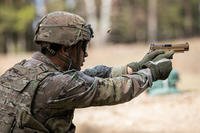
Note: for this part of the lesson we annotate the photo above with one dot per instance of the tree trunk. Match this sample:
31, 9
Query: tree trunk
40, 7
3, 48
71, 4
199, 17
40, 11
21, 43
105, 21
188, 17
152, 20
92, 19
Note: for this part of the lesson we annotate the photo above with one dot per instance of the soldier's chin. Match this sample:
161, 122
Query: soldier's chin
81, 66
78, 67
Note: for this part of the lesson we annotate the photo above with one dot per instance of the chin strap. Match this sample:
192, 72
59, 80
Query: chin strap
78, 56
67, 61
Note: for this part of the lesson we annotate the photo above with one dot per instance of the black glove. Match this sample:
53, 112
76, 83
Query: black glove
160, 69
136, 66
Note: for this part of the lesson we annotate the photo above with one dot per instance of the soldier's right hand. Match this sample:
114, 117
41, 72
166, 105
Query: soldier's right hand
160, 69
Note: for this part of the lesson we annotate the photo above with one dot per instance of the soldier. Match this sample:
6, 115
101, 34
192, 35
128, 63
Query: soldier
39, 95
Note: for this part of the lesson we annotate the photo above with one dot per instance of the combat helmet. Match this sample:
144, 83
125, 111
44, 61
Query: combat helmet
63, 28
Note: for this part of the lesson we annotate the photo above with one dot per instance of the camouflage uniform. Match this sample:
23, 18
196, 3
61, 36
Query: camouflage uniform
36, 96
39, 97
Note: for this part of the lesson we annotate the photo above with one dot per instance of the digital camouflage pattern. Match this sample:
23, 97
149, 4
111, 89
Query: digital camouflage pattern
17, 89
35, 96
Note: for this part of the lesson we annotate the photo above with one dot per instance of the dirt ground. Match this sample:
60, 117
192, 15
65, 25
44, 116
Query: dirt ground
159, 114
176, 113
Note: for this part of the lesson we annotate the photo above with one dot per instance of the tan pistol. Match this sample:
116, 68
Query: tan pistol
178, 48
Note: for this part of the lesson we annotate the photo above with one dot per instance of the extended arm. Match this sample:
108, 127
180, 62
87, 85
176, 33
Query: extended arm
77, 90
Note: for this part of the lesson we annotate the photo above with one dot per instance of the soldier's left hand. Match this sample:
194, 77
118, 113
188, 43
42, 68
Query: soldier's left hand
136, 66
167, 55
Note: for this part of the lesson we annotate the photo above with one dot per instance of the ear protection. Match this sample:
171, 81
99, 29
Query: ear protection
51, 51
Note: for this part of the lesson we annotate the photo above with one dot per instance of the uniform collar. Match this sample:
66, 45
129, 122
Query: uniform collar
41, 57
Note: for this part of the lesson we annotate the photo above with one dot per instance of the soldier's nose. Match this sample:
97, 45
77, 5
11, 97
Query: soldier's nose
85, 54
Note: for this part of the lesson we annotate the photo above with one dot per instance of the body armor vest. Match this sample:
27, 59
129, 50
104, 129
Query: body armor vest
18, 86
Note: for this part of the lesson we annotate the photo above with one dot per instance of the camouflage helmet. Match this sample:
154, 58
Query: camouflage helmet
62, 28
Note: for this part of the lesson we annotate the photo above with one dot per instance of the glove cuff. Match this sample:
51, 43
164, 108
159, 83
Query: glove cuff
135, 66
154, 72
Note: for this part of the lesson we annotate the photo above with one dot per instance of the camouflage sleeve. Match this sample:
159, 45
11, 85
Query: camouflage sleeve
122, 89
79, 90
118, 71
105, 72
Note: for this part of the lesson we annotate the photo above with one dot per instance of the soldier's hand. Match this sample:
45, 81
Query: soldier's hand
168, 55
136, 66
160, 69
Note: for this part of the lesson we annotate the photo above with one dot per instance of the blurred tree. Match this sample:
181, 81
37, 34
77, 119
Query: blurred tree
98, 15
195, 12
187, 17
40, 8
128, 21
54, 5
70, 5
90, 7
80, 8
175, 19
152, 20
15, 18
105, 21
170, 19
